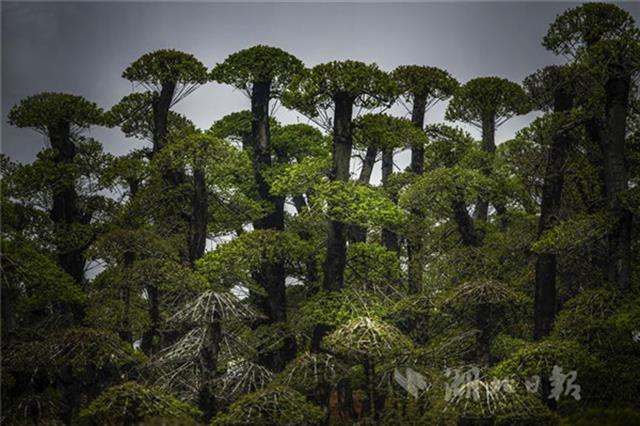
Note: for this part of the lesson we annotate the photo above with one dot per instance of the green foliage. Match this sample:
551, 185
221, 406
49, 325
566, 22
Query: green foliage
373, 268
298, 178
604, 416
234, 262
447, 145
584, 25
274, 405
573, 233
366, 337
487, 97
134, 115
258, 64
47, 109
338, 307
82, 351
539, 358
434, 192
33, 281
298, 142
355, 203
543, 85
386, 132
584, 318
317, 89
236, 127
309, 371
166, 65
131, 403
431, 83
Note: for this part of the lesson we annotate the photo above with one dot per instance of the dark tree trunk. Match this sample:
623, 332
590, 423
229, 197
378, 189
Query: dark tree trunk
336, 258
465, 225
546, 263
367, 164
65, 210
414, 241
271, 275
358, 234
199, 216
150, 338
161, 104
369, 374
615, 169
389, 238
125, 326
417, 152
209, 363
335, 261
488, 145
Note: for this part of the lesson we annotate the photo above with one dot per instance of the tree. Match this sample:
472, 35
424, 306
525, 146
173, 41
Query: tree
487, 103
339, 86
202, 344
382, 132
422, 87
169, 76
61, 117
553, 90
263, 72
604, 40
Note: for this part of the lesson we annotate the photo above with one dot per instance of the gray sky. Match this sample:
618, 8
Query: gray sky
83, 47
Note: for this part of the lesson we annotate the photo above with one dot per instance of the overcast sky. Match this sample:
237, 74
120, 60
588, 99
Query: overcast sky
83, 47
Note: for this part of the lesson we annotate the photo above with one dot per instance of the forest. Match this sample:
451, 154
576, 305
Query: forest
255, 273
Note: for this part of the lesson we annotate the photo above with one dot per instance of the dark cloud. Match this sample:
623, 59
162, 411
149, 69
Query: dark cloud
82, 48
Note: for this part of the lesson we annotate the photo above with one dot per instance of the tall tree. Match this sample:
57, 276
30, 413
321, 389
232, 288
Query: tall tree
605, 43
263, 72
339, 86
487, 103
552, 90
422, 87
61, 117
169, 76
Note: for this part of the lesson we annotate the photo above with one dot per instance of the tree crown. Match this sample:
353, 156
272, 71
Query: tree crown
258, 64
488, 97
134, 115
166, 65
47, 109
542, 85
431, 83
386, 131
585, 25
317, 89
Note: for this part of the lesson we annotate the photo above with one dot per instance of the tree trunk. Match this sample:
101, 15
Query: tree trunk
65, 210
149, 344
335, 261
489, 146
271, 275
199, 216
209, 363
358, 234
414, 241
546, 263
161, 104
389, 238
369, 372
465, 225
613, 140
